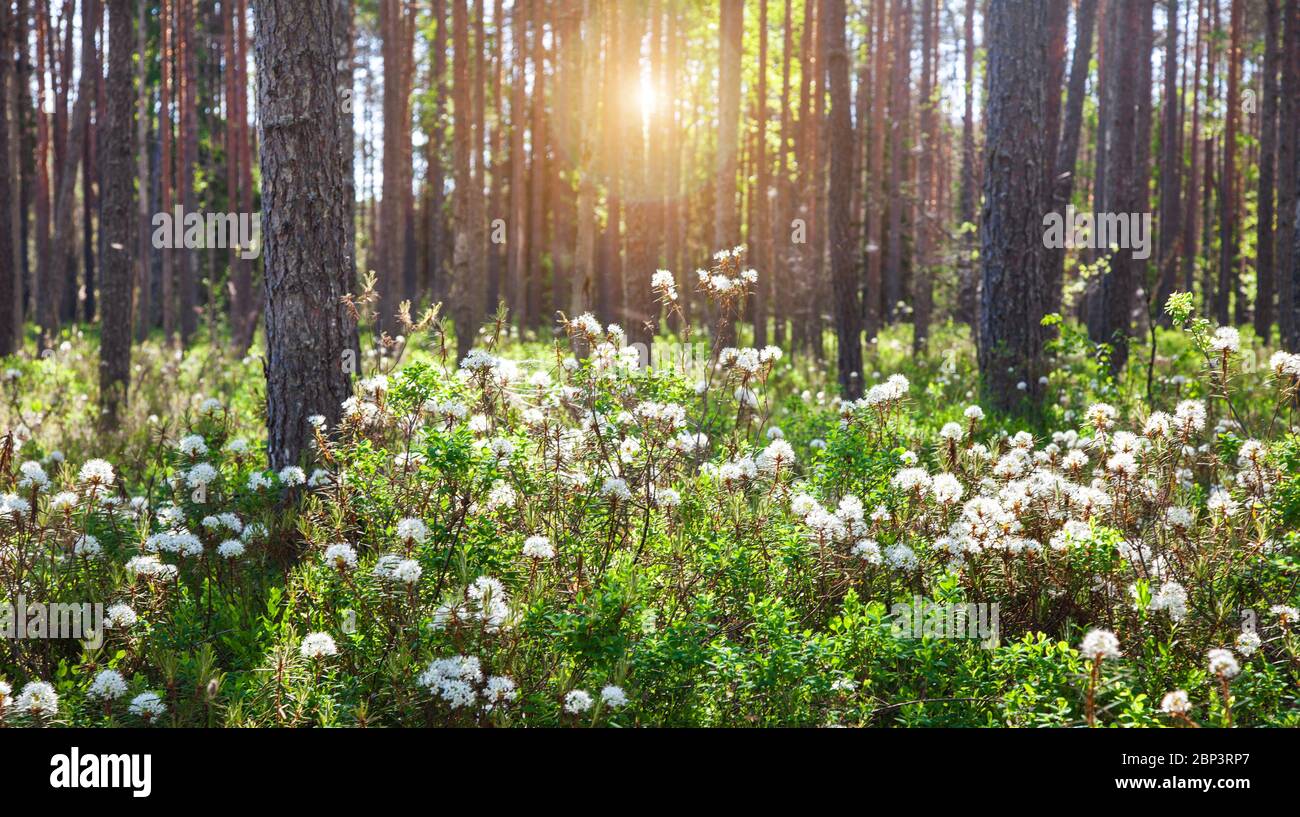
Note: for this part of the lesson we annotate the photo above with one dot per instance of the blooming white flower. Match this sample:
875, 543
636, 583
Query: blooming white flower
776, 456
577, 701
1223, 663
202, 474
901, 557
1175, 703
107, 686
341, 556
947, 489
453, 679
1248, 642
1286, 615
613, 696
292, 475
868, 551
407, 571
1099, 644
14, 506
120, 616
150, 567
616, 488
318, 645
230, 549
192, 445
911, 479
258, 480
1101, 416
663, 281
538, 547
1226, 341
667, 497
97, 472
1172, 598
33, 476
147, 705
1221, 502
502, 496
63, 500
499, 689
86, 545
1179, 518
1190, 416
412, 530
37, 698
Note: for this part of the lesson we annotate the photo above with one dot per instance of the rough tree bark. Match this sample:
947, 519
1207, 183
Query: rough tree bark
928, 142
1288, 176
1011, 297
967, 283
1264, 271
1067, 150
730, 33
63, 245
844, 283
1171, 166
304, 192
1228, 236
900, 113
9, 273
1109, 322
468, 284
115, 221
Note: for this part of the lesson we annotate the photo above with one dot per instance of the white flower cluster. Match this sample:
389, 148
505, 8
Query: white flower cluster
1100, 644
317, 646
460, 683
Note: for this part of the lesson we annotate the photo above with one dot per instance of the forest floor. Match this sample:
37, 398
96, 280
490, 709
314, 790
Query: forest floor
525, 538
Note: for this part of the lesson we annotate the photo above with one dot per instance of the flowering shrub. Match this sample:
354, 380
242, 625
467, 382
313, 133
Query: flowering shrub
588, 542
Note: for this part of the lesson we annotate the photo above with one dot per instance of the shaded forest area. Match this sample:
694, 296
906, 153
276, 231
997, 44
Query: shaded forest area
880, 161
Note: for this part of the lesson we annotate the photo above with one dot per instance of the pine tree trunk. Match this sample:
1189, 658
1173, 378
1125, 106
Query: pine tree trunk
1067, 149
115, 321
1011, 297
1191, 207
1111, 320
517, 247
641, 308
64, 229
580, 285
967, 282
844, 279
1171, 165
785, 204
468, 285
304, 192
539, 181
761, 253
1288, 178
611, 258
922, 287
434, 217
143, 244
1228, 237
167, 89
1264, 238
9, 274
40, 285
900, 114
186, 278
